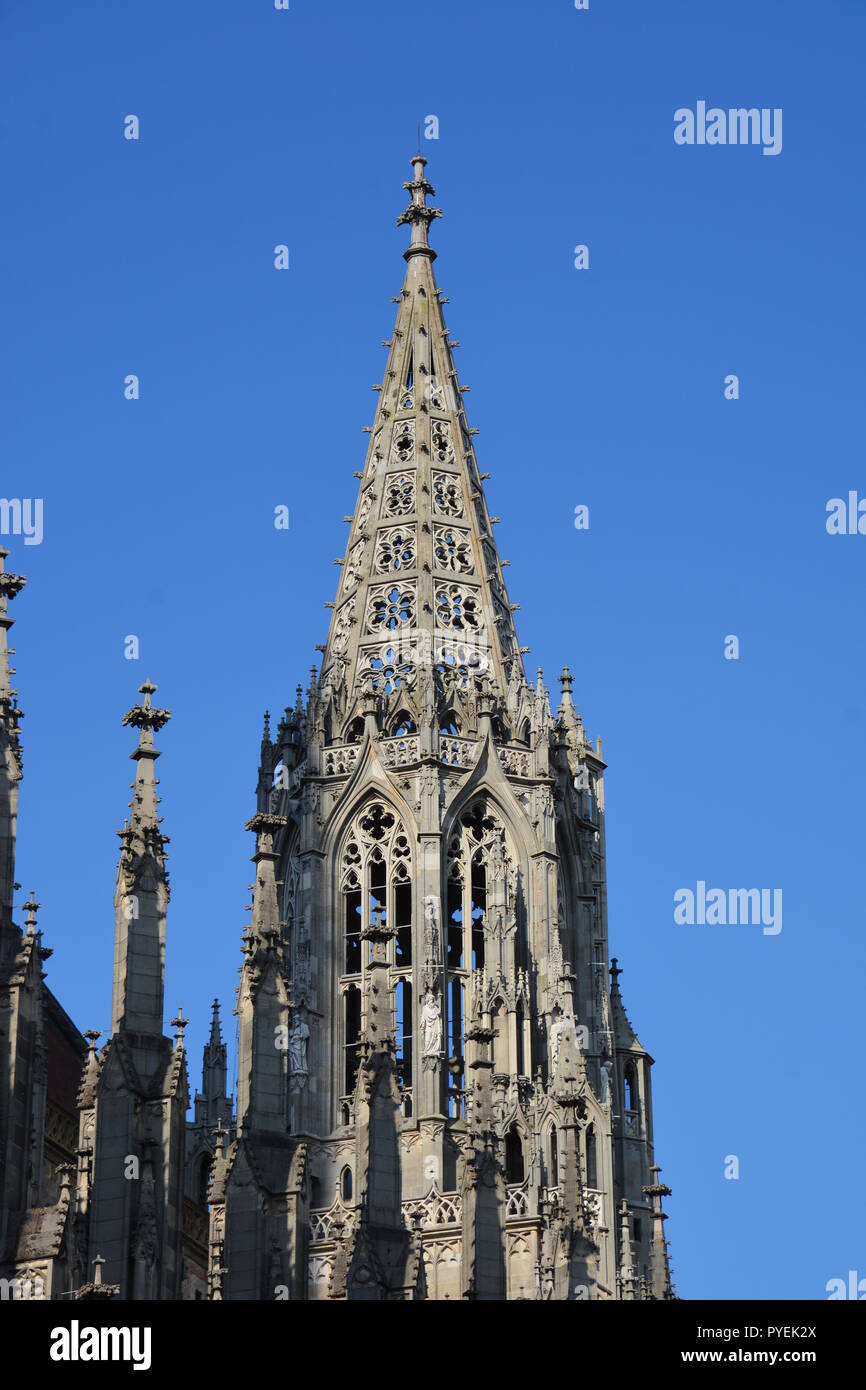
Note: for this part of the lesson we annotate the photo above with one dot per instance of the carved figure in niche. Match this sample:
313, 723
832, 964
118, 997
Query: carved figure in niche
431, 926
557, 1032
298, 1038
607, 1082
431, 1025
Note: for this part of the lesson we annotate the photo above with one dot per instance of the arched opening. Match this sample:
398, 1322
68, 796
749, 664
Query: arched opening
553, 1156
315, 1192
591, 1159
449, 723
352, 1037
514, 1168
520, 1023
630, 1090
355, 731
403, 1019
204, 1178
403, 725
499, 1024
346, 1184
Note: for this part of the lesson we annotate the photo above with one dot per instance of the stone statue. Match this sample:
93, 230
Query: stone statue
557, 1032
298, 1046
606, 1082
431, 1025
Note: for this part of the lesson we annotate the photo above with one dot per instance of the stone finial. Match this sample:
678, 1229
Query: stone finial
418, 215
179, 1024
144, 717
31, 907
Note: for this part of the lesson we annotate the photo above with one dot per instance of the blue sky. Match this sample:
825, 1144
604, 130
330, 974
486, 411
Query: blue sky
602, 387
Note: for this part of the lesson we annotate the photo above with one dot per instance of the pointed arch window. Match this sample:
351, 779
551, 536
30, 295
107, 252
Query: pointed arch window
407, 395
553, 1156
376, 889
591, 1159
514, 1165
351, 1037
480, 886
631, 1098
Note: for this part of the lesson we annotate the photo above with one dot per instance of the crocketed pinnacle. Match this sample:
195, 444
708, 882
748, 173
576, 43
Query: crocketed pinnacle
418, 214
264, 928
147, 720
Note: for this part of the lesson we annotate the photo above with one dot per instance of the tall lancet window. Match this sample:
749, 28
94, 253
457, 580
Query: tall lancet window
480, 898
376, 889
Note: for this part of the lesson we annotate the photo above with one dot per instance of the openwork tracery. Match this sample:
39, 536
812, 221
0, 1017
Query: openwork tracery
376, 890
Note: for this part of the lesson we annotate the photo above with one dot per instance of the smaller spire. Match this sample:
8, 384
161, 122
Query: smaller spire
659, 1262
179, 1024
418, 215
215, 1031
147, 720
31, 907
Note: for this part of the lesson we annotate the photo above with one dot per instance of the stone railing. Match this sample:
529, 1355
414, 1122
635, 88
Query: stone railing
401, 751
516, 762
437, 1209
340, 761
456, 752
517, 1202
324, 1220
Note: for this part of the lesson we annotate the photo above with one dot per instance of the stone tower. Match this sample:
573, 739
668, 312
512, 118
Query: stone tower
440, 1094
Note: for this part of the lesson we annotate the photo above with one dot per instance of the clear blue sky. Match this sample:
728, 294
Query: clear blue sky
603, 387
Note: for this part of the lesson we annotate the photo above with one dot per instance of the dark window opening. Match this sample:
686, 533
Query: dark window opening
403, 923
352, 1036
479, 905
403, 1010
455, 1049
553, 1140
455, 926
521, 1059
204, 1179
513, 1156
591, 1164
353, 931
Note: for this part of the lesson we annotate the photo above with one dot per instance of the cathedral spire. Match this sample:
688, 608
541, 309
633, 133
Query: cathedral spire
422, 598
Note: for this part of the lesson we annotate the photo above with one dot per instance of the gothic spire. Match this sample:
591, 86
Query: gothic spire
141, 892
625, 1037
263, 996
661, 1273
421, 584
